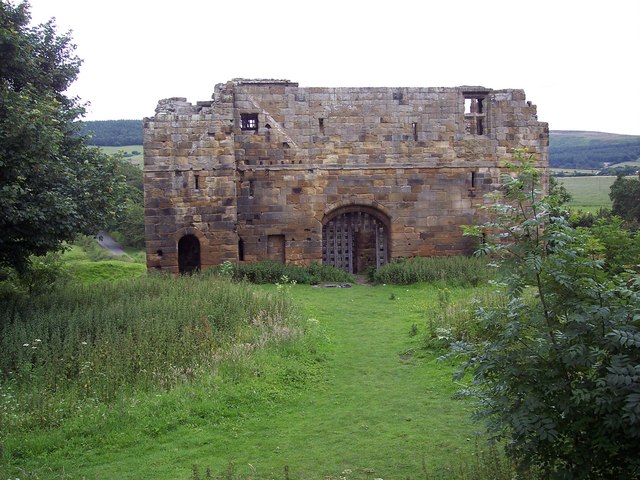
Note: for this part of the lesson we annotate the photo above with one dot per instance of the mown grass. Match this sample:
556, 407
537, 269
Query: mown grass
359, 396
136, 159
88, 263
588, 193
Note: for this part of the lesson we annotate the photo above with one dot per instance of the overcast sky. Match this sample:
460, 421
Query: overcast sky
578, 61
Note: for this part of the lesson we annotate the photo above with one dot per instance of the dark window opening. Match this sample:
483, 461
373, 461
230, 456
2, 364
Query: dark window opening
251, 188
321, 125
196, 179
188, 254
414, 128
249, 121
479, 127
241, 250
473, 179
159, 253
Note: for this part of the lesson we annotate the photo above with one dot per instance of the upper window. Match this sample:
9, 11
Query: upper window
249, 121
475, 114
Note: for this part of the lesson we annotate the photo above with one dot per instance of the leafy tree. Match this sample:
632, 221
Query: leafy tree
625, 195
52, 185
558, 375
129, 223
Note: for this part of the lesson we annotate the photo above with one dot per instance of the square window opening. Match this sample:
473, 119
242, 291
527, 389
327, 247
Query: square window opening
249, 121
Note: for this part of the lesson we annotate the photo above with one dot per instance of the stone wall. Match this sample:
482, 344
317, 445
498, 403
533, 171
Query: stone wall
266, 167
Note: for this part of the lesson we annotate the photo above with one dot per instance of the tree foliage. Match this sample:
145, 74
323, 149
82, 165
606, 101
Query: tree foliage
625, 195
558, 376
52, 185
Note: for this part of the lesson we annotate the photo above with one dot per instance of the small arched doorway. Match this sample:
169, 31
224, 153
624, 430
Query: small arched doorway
188, 254
355, 238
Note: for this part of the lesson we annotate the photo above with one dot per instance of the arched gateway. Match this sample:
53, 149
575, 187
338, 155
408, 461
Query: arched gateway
355, 237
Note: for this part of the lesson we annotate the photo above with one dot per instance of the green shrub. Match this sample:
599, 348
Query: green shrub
460, 271
620, 248
41, 273
455, 319
558, 374
268, 271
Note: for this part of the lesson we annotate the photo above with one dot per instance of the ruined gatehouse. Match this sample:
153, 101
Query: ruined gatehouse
352, 177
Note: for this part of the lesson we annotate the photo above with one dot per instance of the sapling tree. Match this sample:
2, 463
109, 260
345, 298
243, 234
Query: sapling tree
558, 373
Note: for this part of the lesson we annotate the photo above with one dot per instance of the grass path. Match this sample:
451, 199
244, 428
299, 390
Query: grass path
380, 408
392, 409
380, 411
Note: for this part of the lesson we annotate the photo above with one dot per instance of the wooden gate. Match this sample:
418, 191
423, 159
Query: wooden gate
354, 241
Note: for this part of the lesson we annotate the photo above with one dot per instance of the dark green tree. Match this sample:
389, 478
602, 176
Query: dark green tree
558, 374
625, 195
129, 223
52, 185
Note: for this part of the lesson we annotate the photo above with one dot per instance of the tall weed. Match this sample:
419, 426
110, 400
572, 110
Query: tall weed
458, 271
80, 343
454, 319
269, 271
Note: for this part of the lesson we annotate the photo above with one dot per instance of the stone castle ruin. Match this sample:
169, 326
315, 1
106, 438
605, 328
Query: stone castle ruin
351, 177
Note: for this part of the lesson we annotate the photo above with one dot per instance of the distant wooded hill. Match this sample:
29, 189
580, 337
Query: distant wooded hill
567, 149
591, 150
114, 133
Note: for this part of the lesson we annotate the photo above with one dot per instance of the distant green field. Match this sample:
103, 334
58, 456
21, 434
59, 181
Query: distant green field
634, 163
127, 150
573, 171
589, 193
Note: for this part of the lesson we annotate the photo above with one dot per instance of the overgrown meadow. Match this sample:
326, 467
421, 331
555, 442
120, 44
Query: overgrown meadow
205, 377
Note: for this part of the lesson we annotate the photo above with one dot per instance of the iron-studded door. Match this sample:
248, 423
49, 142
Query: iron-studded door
354, 241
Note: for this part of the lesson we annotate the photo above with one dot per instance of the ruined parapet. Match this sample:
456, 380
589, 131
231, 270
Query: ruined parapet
268, 169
